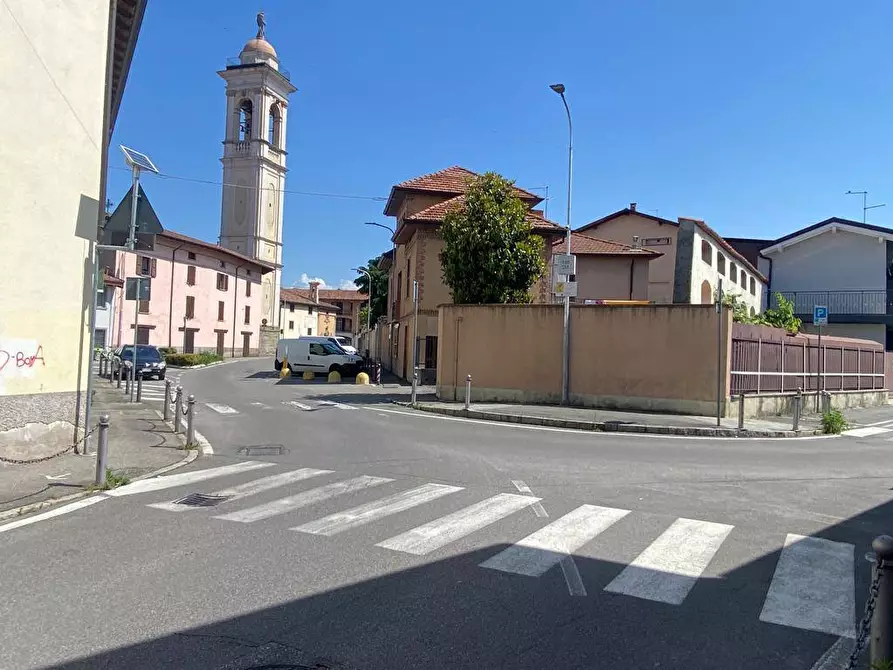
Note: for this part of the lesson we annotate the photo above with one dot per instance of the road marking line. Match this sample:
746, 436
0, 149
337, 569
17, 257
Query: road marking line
184, 478
299, 405
378, 509
572, 576
541, 551
537, 507
330, 403
221, 409
260, 404
251, 488
867, 431
59, 511
671, 565
440, 532
304, 499
835, 656
813, 586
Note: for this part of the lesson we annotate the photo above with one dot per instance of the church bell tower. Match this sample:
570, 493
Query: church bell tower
253, 160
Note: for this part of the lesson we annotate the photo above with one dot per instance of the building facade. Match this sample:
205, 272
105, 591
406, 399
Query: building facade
66, 65
204, 298
302, 315
346, 321
254, 155
608, 270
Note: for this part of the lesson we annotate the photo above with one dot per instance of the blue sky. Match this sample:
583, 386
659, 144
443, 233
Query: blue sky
755, 115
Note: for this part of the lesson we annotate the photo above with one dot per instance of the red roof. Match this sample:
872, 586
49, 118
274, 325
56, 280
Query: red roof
451, 181
335, 294
584, 244
435, 214
179, 237
295, 295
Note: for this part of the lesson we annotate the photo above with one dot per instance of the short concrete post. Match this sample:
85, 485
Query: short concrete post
415, 384
178, 409
139, 386
826, 402
741, 412
881, 647
167, 400
190, 425
127, 381
102, 450
468, 392
798, 404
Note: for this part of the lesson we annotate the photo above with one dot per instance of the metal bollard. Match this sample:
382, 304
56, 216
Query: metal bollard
167, 399
881, 648
415, 383
102, 450
120, 375
378, 372
798, 404
741, 412
468, 392
139, 386
178, 409
190, 425
127, 381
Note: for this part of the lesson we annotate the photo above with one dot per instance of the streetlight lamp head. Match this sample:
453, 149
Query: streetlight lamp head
558, 88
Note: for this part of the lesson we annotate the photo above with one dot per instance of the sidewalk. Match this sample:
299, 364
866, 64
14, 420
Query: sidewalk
139, 443
624, 422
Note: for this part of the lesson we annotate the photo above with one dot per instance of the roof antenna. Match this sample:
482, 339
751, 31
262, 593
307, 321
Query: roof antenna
865, 207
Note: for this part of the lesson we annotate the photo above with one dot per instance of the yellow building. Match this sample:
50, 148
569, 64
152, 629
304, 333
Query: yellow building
67, 63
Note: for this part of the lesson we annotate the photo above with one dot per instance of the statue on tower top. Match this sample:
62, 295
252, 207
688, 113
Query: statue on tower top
261, 26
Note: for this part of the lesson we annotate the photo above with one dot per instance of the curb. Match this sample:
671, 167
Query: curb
207, 365
607, 426
191, 455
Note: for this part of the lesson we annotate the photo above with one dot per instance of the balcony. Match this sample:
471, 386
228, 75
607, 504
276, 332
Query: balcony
839, 303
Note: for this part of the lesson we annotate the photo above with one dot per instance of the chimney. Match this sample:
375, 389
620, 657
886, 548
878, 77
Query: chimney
314, 291
635, 240
632, 207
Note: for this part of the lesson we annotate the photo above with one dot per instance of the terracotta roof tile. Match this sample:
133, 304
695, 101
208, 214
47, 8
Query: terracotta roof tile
334, 294
435, 214
180, 237
294, 295
584, 244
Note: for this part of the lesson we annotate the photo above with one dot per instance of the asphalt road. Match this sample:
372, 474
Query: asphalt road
354, 534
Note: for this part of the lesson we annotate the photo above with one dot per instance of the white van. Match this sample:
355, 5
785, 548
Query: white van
315, 354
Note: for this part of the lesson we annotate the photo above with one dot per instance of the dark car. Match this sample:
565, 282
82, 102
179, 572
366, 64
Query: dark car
149, 360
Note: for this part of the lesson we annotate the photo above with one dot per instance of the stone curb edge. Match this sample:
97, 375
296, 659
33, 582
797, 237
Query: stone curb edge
608, 426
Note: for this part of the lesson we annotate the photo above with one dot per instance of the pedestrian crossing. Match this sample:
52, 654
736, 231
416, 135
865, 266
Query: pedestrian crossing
812, 586
153, 389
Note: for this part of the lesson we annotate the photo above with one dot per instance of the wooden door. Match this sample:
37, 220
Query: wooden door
189, 342
246, 344
220, 341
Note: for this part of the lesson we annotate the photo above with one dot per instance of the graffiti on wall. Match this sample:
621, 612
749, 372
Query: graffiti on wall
20, 357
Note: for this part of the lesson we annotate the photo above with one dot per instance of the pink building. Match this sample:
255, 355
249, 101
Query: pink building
204, 298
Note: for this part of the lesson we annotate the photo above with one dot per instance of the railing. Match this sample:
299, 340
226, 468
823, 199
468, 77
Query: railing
838, 302
237, 60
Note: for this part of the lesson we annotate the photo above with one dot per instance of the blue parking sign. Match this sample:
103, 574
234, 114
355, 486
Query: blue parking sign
820, 315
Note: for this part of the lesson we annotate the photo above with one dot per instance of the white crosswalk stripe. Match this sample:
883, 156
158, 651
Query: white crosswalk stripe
537, 553
668, 569
867, 431
251, 488
378, 509
304, 499
449, 528
813, 586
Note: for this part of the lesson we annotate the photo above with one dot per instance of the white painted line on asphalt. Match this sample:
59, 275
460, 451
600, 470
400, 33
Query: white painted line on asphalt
885, 422
537, 507
339, 405
204, 445
440, 532
304, 499
59, 511
378, 509
184, 478
813, 586
221, 409
835, 656
260, 404
867, 431
251, 488
590, 433
572, 576
543, 550
671, 565
299, 405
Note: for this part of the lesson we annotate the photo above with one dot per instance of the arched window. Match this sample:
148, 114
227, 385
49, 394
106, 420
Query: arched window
753, 286
274, 125
706, 293
245, 114
721, 264
706, 252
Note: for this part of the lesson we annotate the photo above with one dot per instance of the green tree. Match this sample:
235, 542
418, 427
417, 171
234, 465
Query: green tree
781, 316
379, 290
490, 253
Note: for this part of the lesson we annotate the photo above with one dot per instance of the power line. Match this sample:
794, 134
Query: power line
210, 182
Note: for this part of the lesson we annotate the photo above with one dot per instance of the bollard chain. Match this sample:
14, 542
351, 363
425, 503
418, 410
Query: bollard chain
864, 628
29, 461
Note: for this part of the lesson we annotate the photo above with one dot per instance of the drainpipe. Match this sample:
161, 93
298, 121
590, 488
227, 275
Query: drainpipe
632, 265
235, 302
170, 310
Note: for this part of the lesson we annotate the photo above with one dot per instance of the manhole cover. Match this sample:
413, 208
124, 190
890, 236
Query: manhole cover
200, 500
263, 450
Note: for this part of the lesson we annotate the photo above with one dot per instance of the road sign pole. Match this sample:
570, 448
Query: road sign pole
136, 330
719, 354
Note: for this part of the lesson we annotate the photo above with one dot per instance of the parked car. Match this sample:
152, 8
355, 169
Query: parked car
316, 354
149, 360
344, 343
340, 342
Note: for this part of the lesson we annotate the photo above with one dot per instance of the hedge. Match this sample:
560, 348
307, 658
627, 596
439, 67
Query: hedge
185, 360
167, 351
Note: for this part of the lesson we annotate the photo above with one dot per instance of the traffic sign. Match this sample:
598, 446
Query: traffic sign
565, 289
138, 288
565, 264
820, 315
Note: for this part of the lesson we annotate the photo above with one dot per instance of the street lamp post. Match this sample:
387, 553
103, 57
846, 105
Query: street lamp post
565, 358
369, 304
391, 292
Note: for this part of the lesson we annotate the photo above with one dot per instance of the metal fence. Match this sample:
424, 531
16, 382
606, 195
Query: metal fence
767, 360
838, 302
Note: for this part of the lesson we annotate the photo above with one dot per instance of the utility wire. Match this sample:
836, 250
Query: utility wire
211, 182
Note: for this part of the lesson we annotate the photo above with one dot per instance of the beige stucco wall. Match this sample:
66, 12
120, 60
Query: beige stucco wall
50, 170
705, 275
660, 358
611, 278
299, 322
661, 271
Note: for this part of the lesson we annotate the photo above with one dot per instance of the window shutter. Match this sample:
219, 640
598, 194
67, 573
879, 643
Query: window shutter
154, 267
190, 275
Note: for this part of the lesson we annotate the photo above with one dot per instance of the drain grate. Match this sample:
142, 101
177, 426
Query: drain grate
263, 450
200, 500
